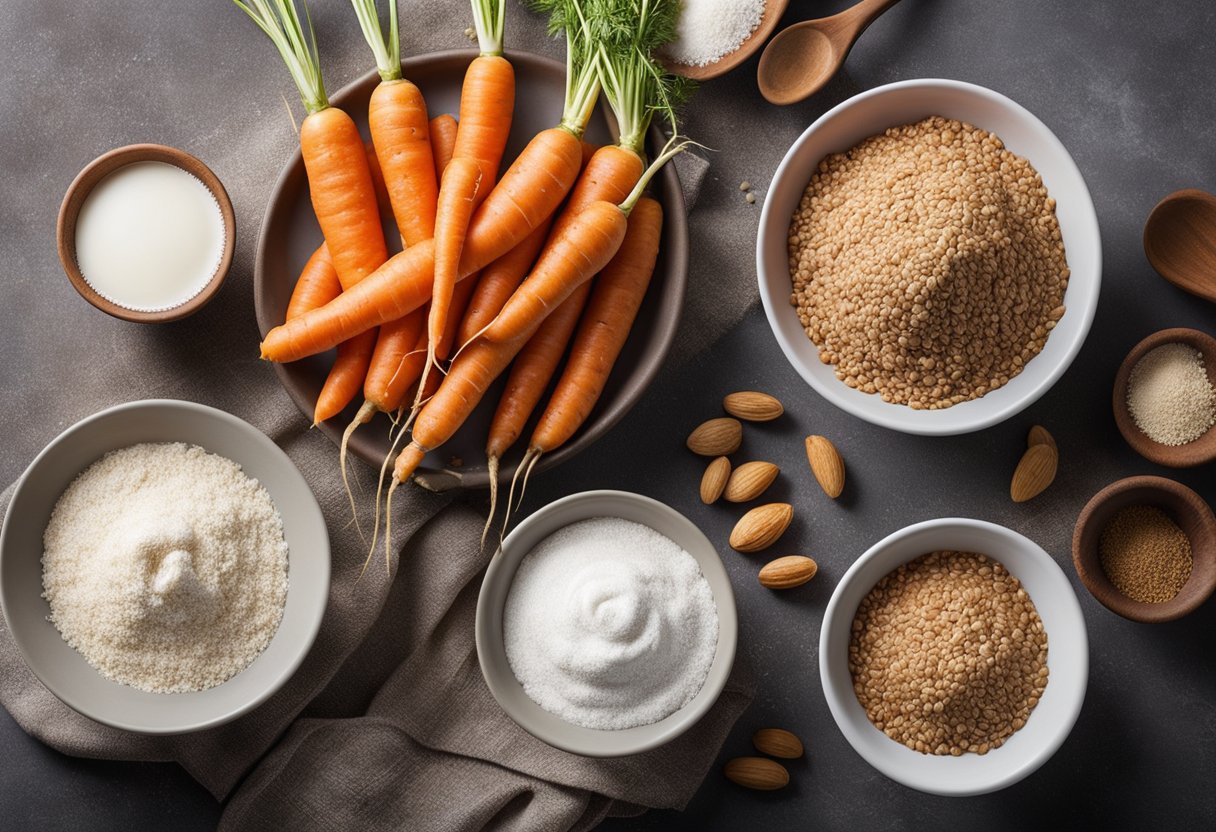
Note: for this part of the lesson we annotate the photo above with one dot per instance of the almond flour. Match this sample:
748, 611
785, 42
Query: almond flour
165, 566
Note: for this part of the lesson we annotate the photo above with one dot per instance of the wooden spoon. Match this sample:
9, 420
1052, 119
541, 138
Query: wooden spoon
803, 57
1180, 241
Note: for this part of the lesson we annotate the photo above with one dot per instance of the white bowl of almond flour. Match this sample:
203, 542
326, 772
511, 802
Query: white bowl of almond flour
954, 656
606, 625
163, 567
929, 257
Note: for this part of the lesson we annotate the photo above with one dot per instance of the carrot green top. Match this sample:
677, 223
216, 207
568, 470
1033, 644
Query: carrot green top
387, 52
582, 78
627, 32
489, 19
281, 23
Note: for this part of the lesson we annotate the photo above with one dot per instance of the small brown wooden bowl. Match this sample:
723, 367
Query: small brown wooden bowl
1184, 507
773, 9
1198, 452
99, 169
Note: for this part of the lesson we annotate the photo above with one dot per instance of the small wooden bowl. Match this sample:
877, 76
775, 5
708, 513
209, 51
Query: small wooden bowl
99, 169
1193, 453
773, 9
1185, 507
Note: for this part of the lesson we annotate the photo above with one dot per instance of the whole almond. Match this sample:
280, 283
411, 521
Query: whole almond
750, 480
757, 773
714, 480
1039, 436
1034, 473
717, 437
788, 572
777, 742
752, 406
760, 527
826, 465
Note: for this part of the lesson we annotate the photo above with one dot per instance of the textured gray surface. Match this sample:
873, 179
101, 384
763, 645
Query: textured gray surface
1126, 86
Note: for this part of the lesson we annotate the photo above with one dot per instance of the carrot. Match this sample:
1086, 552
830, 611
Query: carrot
400, 130
317, 285
456, 202
487, 96
443, 141
345, 377
608, 175
611, 310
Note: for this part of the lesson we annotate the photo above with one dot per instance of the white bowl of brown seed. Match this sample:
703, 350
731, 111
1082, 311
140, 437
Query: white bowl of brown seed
929, 257
954, 656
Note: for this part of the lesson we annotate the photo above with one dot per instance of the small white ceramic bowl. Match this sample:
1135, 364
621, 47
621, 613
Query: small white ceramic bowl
871, 113
492, 654
1067, 659
63, 670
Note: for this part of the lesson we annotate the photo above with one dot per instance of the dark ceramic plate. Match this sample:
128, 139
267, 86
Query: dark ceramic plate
290, 234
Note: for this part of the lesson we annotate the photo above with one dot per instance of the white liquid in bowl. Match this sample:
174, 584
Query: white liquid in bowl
149, 237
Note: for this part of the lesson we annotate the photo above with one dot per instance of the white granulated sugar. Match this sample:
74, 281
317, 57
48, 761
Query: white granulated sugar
707, 30
609, 624
165, 567
1169, 395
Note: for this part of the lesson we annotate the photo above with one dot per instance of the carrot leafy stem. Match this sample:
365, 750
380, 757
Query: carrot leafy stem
489, 21
387, 52
582, 76
280, 20
675, 146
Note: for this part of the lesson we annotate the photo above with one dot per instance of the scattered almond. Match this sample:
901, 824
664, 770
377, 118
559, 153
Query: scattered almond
717, 437
1039, 436
750, 480
826, 465
1034, 473
760, 527
752, 406
714, 480
777, 742
788, 572
757, 773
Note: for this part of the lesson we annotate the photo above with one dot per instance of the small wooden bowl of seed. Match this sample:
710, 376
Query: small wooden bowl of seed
1165, 398
1145, 547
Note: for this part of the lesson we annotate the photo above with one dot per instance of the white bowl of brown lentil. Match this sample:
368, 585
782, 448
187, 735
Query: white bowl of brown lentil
837, 293
870, 625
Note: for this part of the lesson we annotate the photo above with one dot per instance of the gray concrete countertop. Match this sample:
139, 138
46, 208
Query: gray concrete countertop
1128, 89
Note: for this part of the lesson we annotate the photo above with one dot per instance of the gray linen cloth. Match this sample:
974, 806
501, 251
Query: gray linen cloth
388, 723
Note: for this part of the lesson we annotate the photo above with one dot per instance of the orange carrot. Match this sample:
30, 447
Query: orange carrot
487, 100
528, 193
610, 314
456, 202
345, 377
317, 285
443, 141
531, 373
397, 121
390, 376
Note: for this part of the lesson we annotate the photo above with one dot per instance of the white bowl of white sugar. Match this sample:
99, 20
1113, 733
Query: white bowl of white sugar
606, 625
833, 312
163, 567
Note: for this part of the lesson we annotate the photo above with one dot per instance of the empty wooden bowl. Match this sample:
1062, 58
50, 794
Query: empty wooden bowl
773, 9
99, 169
1184, 507
1193, 453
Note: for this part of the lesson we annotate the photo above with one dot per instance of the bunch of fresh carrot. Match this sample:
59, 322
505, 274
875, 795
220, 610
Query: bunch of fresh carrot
394, 319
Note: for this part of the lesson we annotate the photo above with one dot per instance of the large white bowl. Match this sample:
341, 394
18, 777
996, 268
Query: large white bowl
65, 671
904, 102
1067, 659
491, 649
